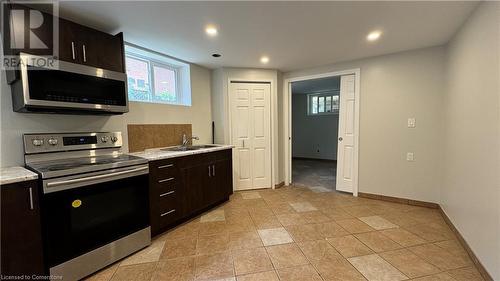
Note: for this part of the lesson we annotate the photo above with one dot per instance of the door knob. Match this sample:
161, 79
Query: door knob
340, 138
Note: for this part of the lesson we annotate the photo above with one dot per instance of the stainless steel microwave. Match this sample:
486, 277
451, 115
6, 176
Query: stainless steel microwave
68, 88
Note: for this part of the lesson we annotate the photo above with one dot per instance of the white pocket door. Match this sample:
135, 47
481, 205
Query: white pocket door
251, 134
346, 143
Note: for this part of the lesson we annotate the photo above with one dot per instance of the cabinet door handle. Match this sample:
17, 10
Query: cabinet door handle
31, 198
169, 212
165, 180
165, 166
84, 54
73, 50
213, 170
209, 172
167, 193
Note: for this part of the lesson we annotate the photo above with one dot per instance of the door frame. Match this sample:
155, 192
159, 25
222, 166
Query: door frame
273, 115
287, 120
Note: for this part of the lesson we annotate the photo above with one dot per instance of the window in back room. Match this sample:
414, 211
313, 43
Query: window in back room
323, 103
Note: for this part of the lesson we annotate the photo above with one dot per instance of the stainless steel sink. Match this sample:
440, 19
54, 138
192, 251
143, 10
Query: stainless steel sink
188, 148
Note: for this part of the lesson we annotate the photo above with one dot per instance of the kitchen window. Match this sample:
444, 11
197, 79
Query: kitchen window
155, 78
324, 103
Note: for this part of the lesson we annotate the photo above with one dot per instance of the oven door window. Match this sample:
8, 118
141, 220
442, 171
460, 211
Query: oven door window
82, 219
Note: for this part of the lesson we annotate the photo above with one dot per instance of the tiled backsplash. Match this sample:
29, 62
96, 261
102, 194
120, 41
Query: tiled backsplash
144, 136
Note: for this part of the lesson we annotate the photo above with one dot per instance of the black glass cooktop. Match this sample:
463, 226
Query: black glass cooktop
64, 167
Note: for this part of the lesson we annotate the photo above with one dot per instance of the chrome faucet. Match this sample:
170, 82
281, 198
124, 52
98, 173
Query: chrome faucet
185, 139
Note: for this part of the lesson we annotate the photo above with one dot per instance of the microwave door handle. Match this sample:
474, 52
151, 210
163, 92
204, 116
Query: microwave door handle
94, 179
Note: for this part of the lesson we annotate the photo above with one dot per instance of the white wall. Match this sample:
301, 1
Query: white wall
281, 149
13, 125
393, 88
220, 104
313, 136
471, 186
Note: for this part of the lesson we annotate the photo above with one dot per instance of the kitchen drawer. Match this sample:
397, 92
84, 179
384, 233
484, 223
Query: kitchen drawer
164, 183
167, 218
164, 166
167, 202
164, 175
162, 188
168, 207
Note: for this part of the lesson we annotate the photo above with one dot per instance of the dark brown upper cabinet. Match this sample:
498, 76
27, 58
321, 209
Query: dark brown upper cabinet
77, 43
87, 46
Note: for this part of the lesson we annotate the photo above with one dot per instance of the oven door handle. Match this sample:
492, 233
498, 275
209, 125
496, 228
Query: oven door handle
67, 184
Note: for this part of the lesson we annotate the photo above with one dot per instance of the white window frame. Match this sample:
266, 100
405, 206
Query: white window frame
322, 94
180, 68
151, 65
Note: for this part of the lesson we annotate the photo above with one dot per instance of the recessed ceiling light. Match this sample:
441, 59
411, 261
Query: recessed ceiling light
374, 35
211, 30
264, 59
216, 55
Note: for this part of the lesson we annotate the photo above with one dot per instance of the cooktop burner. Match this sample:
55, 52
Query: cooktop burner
63, 167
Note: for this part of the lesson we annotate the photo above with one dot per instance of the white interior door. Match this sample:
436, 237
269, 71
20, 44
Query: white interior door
251, 134
345, 149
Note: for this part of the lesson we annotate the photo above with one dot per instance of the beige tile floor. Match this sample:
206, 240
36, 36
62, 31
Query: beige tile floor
293, 233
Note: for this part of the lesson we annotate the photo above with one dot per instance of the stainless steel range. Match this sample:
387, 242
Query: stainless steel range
94, 201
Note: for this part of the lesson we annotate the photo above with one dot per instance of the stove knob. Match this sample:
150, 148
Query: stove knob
104, 139
114, 139
52, 141
38, 142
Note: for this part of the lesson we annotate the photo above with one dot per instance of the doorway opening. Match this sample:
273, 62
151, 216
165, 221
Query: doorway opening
343, 175
315, 120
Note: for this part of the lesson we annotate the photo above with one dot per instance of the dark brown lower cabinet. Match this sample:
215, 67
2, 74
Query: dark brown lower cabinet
21, 239
191, 184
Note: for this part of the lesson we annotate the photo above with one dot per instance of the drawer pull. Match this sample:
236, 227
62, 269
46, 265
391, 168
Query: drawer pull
169, 212
165, 166
167, 193
165, 180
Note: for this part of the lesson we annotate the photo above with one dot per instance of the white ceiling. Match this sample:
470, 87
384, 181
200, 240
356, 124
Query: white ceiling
316, 85
294, 35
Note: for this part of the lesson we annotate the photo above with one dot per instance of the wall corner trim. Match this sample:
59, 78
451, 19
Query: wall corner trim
399, 200
482, 270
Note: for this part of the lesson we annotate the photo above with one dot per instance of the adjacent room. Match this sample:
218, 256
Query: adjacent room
250, 140
315, 120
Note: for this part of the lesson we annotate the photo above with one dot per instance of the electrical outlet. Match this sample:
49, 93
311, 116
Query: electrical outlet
412, 123
410, 156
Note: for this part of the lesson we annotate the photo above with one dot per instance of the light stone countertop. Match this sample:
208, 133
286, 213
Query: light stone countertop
16, 174
20, 174
158, 153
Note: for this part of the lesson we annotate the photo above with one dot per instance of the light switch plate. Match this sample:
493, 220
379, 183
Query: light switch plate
411, 123
410, 156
